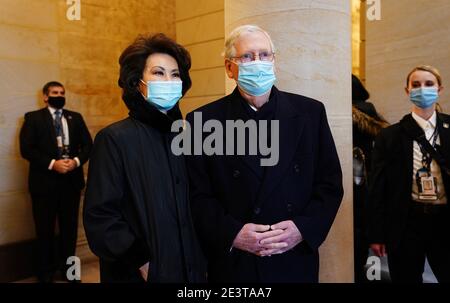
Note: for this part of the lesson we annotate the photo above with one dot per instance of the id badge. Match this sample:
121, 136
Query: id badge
59, 141
427, 190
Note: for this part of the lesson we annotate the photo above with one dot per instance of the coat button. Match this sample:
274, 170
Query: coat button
257, 210
236, 173
289, 207
297, 168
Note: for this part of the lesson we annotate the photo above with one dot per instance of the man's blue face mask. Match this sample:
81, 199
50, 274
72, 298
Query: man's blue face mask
424, 97
164, 95
256, 77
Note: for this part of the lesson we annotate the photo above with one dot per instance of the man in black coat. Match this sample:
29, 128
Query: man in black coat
262, 218
57, 143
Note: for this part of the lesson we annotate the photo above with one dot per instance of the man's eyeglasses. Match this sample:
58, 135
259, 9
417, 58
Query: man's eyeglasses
248, 57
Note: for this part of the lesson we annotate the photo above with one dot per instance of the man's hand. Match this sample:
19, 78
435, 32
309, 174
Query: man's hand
290, 236
61, 166
64, 166
144, 271
378, 249
250, 236
72, 164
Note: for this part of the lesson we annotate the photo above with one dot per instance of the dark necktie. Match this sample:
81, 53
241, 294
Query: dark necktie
59, 131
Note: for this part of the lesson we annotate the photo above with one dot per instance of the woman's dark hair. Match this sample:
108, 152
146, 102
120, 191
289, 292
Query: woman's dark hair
359, 92
133, 59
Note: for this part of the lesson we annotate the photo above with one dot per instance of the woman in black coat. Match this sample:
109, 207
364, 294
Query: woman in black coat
136, 212
409, 185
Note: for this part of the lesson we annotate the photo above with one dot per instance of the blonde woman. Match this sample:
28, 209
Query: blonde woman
409, 185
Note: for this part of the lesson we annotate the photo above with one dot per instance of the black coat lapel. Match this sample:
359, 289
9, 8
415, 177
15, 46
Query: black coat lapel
50, 126
237, 112
410, 130
443, 124
408, 161
291, 127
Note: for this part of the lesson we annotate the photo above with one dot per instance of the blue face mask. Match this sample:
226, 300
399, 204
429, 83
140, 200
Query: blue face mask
256, 77
424, 97
164, 95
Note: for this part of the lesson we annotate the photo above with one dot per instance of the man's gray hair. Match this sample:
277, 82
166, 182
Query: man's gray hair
230, 50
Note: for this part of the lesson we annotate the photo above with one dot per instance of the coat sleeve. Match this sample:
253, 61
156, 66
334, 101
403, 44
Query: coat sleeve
215, 227
327, 191
377, 192
85, 142
108, 233
29, 143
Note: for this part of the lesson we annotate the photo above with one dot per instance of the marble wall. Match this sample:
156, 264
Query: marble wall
199, 27
406, 36
40, 44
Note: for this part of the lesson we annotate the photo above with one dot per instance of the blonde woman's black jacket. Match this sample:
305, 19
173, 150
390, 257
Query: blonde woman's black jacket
392, 176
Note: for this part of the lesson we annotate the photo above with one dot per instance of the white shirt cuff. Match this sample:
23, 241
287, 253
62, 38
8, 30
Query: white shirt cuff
77, 160
50, 167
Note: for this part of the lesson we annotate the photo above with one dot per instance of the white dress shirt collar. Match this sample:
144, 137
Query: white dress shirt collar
53, 110
424, 124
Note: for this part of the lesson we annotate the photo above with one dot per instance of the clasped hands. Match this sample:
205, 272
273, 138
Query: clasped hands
64, 166
267, 240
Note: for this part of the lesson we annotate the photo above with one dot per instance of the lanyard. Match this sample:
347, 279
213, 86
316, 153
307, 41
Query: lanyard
426, 157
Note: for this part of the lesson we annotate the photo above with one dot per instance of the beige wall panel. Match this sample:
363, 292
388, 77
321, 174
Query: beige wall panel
200, 29
186, 9
207, 82
394, 48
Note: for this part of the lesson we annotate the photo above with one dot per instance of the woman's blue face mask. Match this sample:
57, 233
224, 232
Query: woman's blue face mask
424, 97
164, 95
